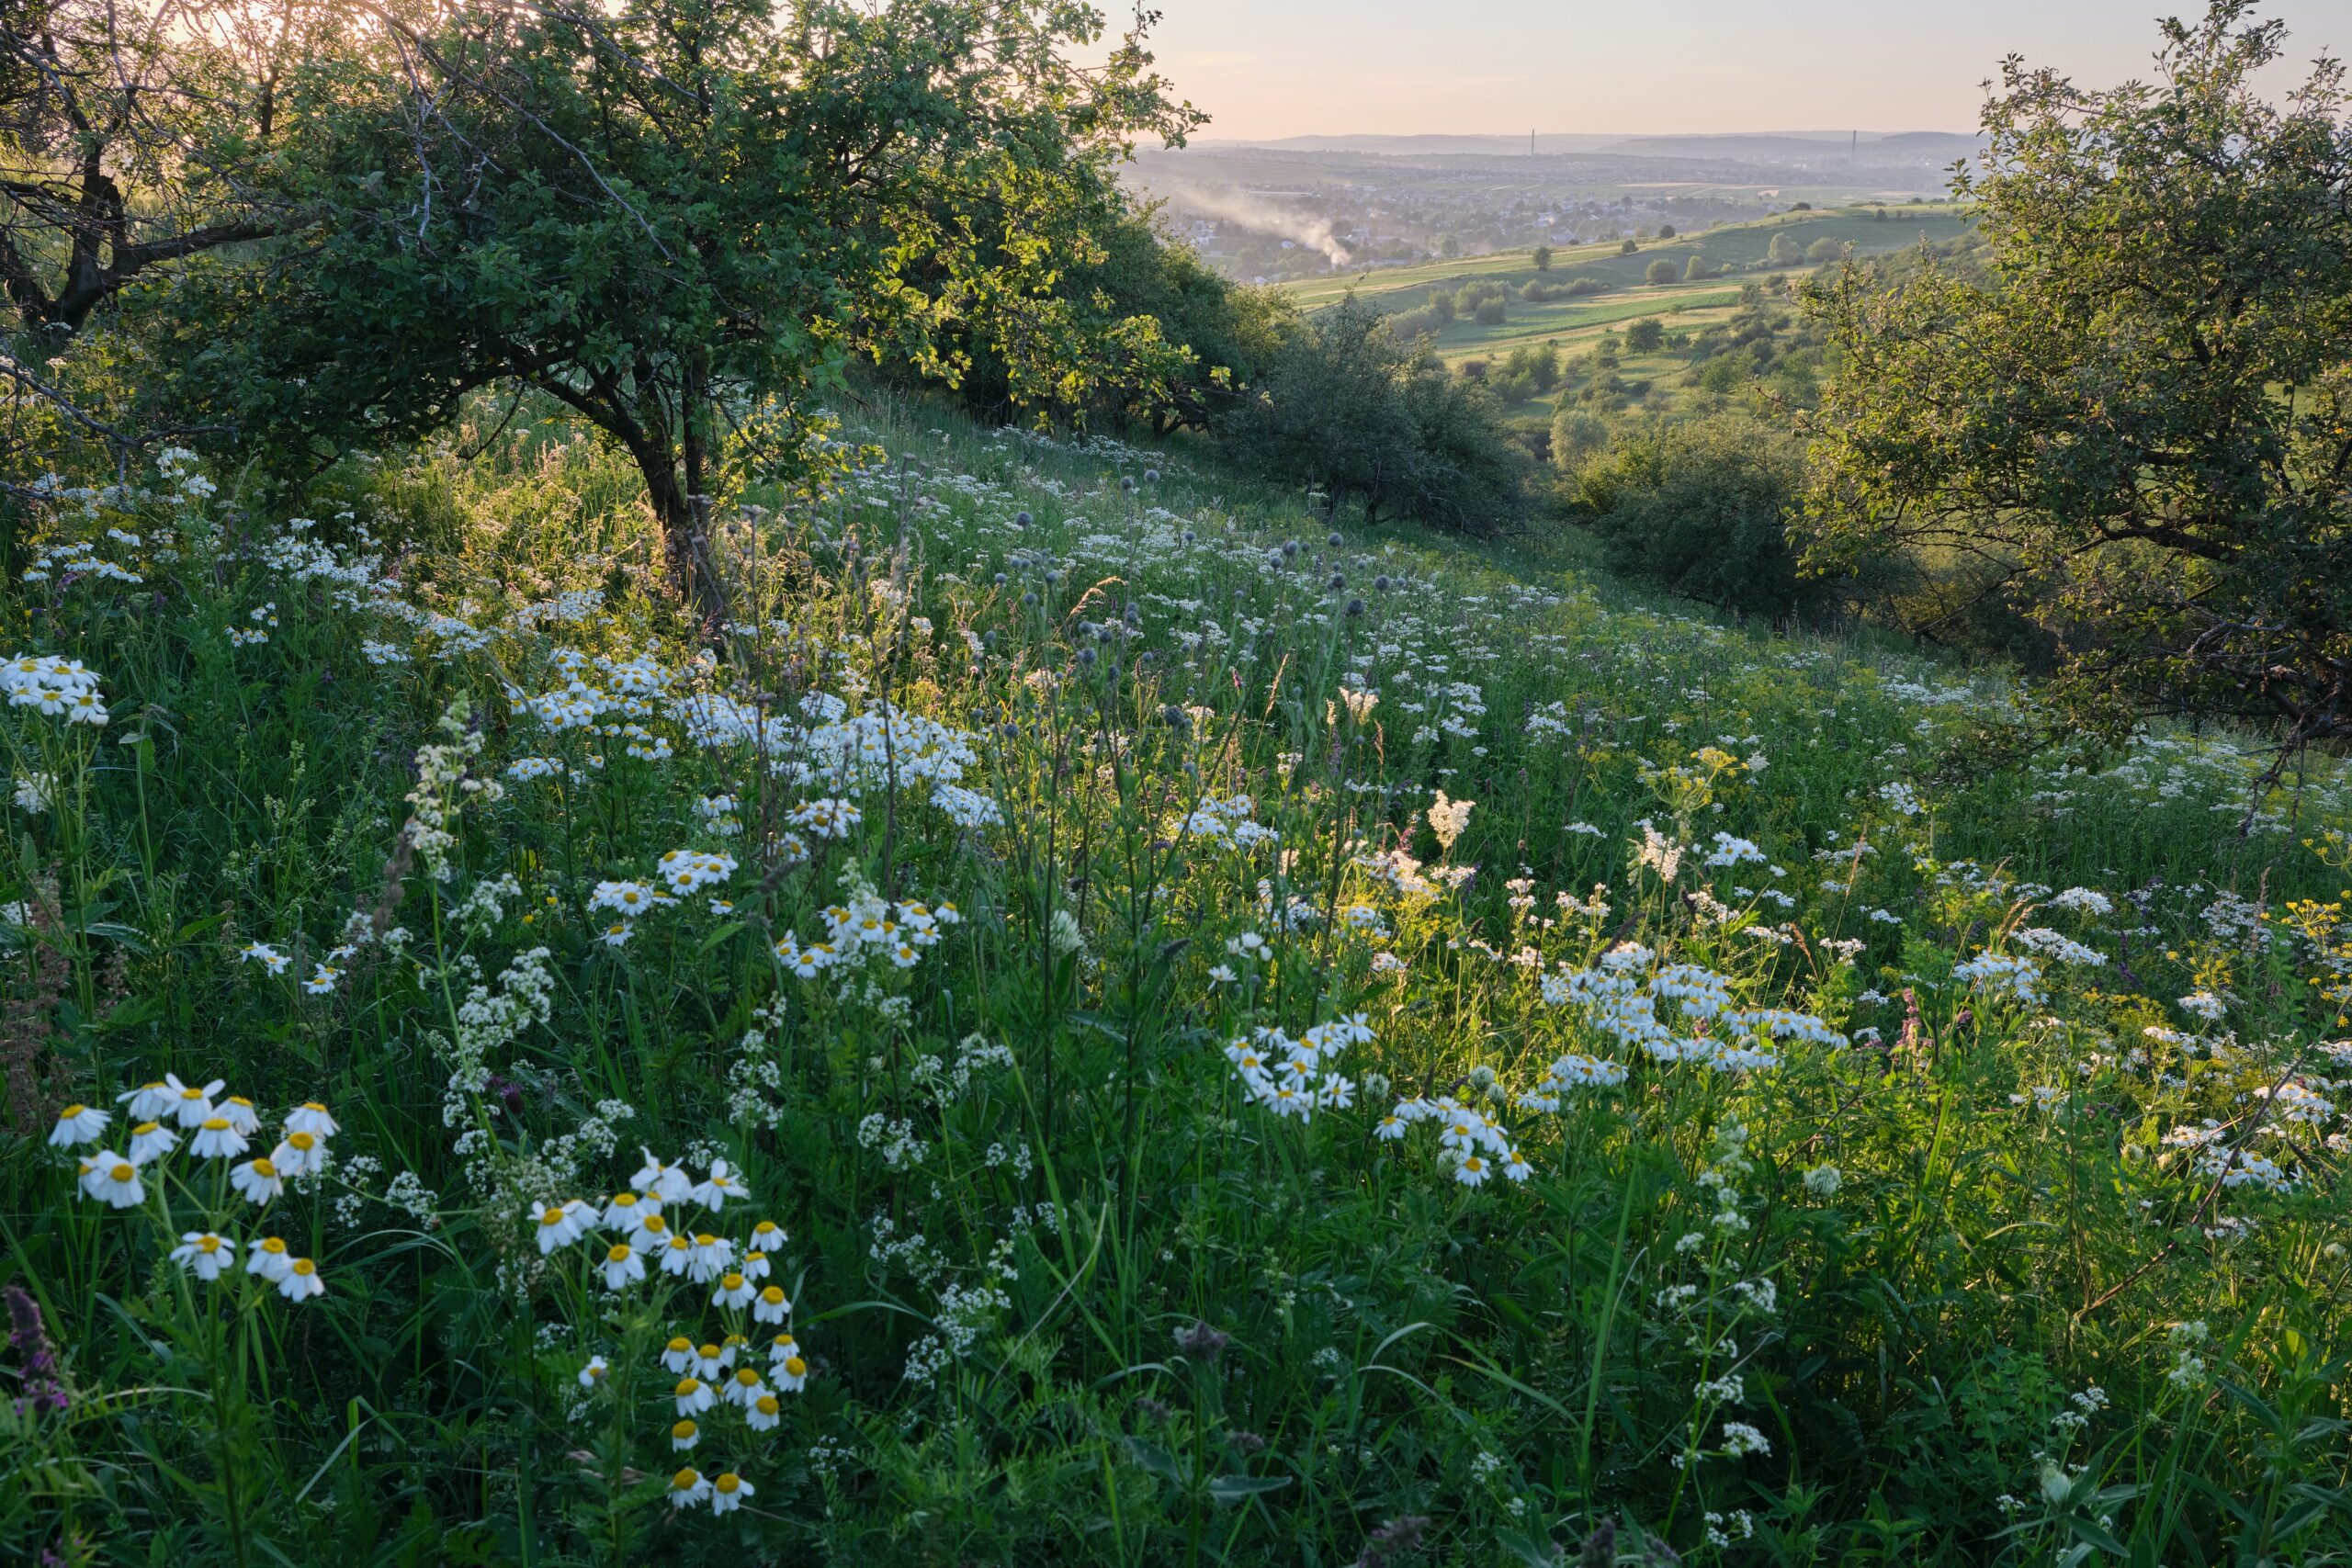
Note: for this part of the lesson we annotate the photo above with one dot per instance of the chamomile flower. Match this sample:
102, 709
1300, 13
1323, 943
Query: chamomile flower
744, 1387
204, 1254
622, 1267
109, 1176
1391, 1128
191, 1105
693, 1397
727, 1491
678, 1356
1471, 1171
717, 1187
267, 1256
77, 1124
771, 1307
765, 1414
711, 1361
257, 1181
593, 1375
312, 1117
558, 1224
712, 1254
300, 1154
1515, 1166
781, 1346
302, 1281
623, 1210
152, 1141
652, 1234
215, 1139
756, 1266
149, 1101
791, 1373
687, 1488
677, 1254
240, 1114
668, 1183
684, 1434
321, 980
767, 1236
734, 1292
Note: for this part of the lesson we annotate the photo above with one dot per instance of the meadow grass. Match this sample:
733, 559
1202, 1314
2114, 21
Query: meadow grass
1228, 1040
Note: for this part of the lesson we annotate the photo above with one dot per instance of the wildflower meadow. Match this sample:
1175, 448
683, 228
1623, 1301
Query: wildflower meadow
1096, 1015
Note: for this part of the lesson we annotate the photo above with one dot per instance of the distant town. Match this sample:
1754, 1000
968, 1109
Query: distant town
1315, 206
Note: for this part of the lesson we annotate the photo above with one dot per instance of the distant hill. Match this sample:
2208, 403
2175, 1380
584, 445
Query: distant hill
1813, 150
1771, 149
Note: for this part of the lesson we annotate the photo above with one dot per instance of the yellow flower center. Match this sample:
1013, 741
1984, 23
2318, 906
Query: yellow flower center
314, 1105
653, 1225
685, 1480
682, 1343
265, 1170
304, 1267
302, 1142
710, 1352
71, 1112
796, 1366
773, 1296
768, 1406
216, 1123
272, 1246
747, 1378
728, 1482
191, 1094
626, 1200
732, 1282
618, 1253
551, 1217
123, 1172
142, 1129
208, 1244
686, 1386
706, 1240
683, 1430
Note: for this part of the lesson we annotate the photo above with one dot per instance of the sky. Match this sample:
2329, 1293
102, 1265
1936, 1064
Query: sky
1264, 68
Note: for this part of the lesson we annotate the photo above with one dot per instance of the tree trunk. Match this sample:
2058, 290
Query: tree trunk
685, 540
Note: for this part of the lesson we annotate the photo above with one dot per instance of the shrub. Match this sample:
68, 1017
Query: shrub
1701, 508
1661, 271
1376, 420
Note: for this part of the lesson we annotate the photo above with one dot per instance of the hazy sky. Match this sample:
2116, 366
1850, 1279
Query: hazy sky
1269, 68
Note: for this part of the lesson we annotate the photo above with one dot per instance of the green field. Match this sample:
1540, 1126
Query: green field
1734, 245
1576, 325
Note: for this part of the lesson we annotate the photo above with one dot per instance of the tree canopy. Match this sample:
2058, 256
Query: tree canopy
679, 218
2143, 411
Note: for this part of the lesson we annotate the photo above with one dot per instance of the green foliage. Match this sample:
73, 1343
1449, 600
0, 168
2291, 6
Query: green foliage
1646, 336
1222, 336
1702, 507
1350, 408
1541, 257
2147, 406
1661, 271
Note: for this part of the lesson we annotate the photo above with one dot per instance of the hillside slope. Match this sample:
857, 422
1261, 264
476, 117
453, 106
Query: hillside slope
1243, 1040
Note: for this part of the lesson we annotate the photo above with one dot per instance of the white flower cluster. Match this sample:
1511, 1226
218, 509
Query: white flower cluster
1228, 821
1997, 973
1292, 1078
216, 1127
721, 1375
1621, 998
1474, 1144
61, 688
866, 928
1573, 1071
